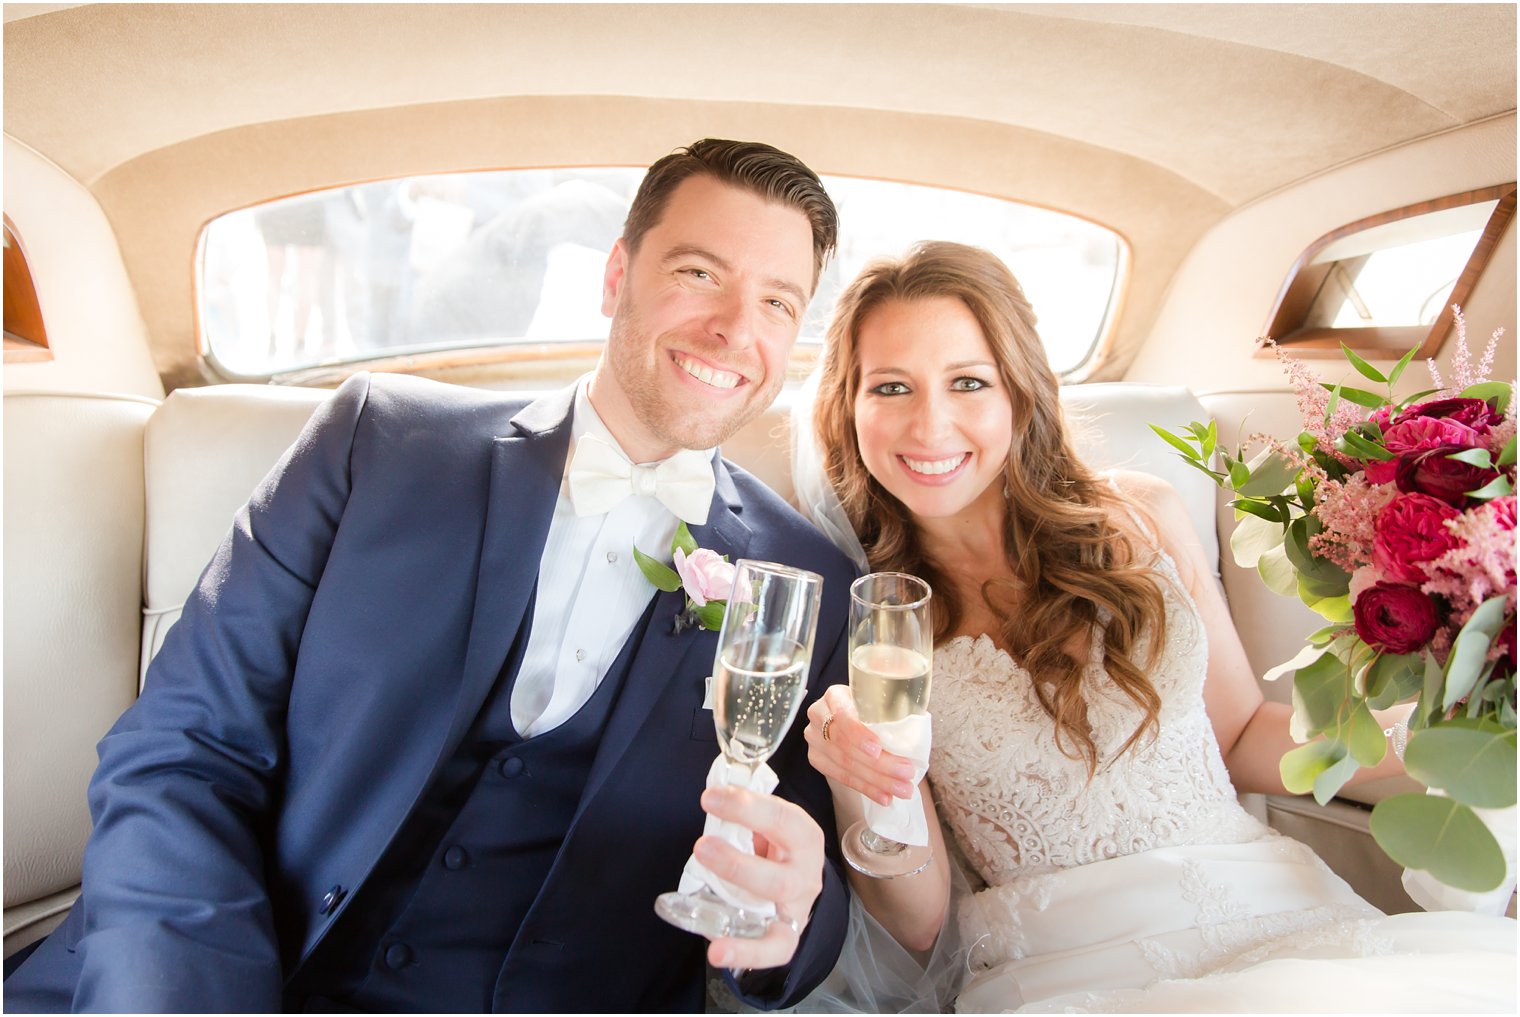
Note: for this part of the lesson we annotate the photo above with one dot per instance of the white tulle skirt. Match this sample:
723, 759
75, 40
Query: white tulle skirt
1260, 927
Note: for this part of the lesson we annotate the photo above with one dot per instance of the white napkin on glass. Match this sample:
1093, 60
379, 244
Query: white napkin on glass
903, 819
761, 779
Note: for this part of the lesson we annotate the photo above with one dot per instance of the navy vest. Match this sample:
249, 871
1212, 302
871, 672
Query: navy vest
432, 926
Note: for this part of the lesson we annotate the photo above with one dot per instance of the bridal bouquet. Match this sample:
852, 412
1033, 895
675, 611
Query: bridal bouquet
1394, 519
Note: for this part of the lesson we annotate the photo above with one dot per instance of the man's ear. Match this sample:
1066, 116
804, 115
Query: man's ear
612, 278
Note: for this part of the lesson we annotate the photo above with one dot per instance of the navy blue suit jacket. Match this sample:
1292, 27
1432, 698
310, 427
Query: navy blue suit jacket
333, 655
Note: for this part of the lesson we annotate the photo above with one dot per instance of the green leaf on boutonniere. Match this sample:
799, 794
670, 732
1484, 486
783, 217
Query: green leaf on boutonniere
711, 615
683, 540
661, 575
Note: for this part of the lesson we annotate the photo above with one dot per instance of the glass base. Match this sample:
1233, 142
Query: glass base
707, 914
880, 857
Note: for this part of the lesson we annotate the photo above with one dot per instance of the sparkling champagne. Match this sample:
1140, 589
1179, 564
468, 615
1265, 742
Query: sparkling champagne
889, 682
760, 685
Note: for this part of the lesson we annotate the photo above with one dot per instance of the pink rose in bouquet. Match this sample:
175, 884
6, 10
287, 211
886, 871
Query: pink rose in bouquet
1417, 434
704, 574
1410, 530
1395, 617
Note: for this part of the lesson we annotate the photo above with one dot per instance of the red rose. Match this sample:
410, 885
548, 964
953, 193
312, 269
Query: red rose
1474, 413
1417, 434
1395, 617
1506, 641
1411, 529
1435, 473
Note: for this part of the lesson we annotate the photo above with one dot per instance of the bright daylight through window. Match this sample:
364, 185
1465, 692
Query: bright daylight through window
480, 259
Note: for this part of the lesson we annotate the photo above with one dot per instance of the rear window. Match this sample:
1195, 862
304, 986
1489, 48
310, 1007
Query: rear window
513, 260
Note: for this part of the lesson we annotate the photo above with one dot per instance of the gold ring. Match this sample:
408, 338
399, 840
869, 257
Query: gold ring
826, 722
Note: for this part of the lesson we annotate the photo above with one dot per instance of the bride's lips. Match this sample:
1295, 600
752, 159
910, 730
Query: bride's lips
935, 470
715, 380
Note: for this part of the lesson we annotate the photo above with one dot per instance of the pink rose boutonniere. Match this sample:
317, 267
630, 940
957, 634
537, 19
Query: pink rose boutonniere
706, 576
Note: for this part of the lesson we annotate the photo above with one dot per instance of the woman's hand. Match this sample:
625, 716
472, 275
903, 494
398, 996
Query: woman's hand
843, 749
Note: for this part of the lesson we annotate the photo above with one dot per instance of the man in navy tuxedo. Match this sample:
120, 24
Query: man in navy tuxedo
424, 737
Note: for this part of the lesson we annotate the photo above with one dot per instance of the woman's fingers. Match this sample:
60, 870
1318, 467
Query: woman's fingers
851, 754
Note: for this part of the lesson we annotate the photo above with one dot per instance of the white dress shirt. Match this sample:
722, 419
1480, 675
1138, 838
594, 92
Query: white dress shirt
590, 592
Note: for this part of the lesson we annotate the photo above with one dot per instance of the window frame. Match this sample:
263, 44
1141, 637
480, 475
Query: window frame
1298, 291
27, 341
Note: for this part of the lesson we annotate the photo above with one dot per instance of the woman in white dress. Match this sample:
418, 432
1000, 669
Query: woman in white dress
1094, 714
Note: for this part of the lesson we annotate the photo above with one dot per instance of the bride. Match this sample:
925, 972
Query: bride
1094, 713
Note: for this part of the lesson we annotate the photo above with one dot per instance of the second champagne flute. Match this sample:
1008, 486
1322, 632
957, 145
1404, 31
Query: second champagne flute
891, 654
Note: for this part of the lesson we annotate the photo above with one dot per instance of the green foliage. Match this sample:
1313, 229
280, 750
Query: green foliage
1440, 835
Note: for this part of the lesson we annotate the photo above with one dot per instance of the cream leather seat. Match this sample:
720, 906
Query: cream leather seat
116, 504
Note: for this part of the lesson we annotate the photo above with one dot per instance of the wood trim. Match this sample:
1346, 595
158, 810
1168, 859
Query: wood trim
25, 335
1285, 322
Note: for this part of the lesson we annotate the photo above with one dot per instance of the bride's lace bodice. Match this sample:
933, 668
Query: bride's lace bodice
1018, 806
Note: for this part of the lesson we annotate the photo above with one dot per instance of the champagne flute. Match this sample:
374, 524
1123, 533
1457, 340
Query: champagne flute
759, 680
891, 654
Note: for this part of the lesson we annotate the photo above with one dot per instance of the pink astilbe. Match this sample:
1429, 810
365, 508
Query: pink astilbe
1313, 400
1481, 566
1348, 509
1463, 374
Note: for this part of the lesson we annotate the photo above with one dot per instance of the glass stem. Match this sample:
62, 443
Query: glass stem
877, 844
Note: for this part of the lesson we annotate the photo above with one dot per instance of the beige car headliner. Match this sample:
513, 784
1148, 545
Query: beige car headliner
1156, 120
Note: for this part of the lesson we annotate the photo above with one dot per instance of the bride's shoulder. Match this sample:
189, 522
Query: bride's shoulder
1151, 511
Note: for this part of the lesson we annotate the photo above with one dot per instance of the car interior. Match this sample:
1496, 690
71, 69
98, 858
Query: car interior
1237, 164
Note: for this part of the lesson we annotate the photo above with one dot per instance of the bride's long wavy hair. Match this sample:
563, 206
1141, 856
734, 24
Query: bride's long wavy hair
1072, 569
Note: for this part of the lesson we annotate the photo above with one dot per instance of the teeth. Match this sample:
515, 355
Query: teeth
703, 373
934, 467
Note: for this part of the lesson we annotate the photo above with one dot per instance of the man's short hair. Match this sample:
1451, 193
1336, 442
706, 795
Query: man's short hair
751, 165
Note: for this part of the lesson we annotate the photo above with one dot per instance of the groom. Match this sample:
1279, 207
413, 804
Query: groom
424, 737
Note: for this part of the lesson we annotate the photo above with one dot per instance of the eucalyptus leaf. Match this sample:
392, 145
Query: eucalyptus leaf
1465, 663
1301, 767
1319, 689
1363, 368
1394, 677
1270, 475
1334, 778
661, 575
1441, 836
1254, 536
1334, 607
1303, 658
1364, 737
1277, 571
1472, 766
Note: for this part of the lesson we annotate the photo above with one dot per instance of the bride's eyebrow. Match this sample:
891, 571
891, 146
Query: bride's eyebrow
970, 363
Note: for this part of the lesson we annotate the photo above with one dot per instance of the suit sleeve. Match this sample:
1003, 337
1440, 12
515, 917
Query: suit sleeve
177, 915
824, 936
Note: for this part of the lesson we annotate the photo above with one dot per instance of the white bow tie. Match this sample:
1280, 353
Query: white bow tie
601, 477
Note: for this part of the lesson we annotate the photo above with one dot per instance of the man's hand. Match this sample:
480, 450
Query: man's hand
787, 867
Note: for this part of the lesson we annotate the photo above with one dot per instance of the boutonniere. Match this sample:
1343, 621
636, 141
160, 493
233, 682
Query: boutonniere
706, 576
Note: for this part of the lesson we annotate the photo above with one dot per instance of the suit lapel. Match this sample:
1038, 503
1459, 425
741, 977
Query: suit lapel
526, 470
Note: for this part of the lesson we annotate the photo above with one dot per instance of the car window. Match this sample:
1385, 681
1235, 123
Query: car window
514, 258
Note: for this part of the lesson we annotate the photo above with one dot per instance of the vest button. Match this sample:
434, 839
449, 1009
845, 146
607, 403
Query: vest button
398, 956
512, 766
456, 858
331, 899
